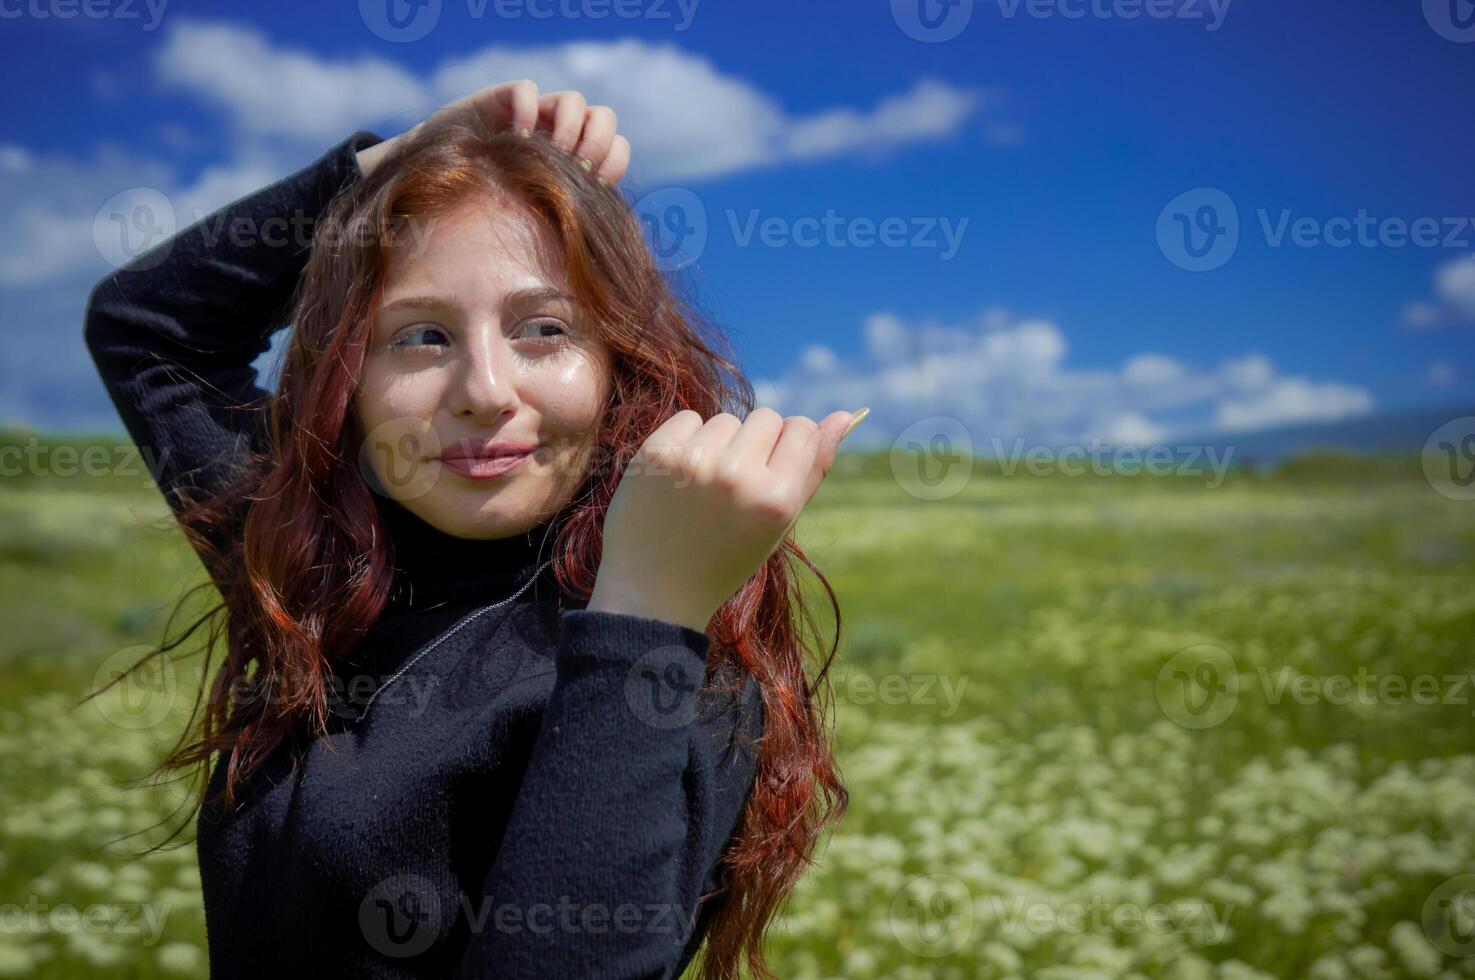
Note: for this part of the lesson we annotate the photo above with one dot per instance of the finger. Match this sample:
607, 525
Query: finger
754, 441
671, 435
563, 112
599, 133
616, 162
822, 443
792, 453
706, 449
510, 104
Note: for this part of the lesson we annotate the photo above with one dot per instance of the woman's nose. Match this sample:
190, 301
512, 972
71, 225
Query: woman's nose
485, 385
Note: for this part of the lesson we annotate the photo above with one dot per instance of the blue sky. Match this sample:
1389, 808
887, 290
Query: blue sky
1051, 148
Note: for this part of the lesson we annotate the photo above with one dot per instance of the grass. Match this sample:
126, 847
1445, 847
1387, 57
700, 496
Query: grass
1016, 663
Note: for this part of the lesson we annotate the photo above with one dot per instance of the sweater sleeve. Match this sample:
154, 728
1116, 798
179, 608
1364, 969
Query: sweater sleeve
175, 331
635, 784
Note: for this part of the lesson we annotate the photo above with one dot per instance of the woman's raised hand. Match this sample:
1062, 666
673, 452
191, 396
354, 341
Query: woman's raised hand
702, 505
586, 131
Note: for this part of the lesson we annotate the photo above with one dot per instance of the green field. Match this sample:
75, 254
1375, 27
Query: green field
1093, 727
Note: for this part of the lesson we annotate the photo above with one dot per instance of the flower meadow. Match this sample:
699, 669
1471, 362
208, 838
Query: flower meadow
1092, 727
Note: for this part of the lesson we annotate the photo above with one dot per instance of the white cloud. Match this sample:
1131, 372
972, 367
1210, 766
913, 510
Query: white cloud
55, 203
51, 201
1151, 369
1249, 373
1009, 377
1453, 300
1441, 374
278, 90
14, 159
818, 359
886, 337
1287, 400
1133, 429
284, 105
1420, 314
931, 110
1454, 282
685, 118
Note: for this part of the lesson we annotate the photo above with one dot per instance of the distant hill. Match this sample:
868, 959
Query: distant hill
1385, 434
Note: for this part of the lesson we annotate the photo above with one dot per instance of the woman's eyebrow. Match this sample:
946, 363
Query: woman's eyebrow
534, 294
538, 293
415, 302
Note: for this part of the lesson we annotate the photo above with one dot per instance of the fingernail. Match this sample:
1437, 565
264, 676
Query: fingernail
855, 420
525, 133
586, 163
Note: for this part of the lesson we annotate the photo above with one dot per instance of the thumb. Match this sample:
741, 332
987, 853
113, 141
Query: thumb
826, 441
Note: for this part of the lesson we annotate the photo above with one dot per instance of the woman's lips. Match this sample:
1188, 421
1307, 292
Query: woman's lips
483, 468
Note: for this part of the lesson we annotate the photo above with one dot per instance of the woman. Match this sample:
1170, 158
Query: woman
514, 682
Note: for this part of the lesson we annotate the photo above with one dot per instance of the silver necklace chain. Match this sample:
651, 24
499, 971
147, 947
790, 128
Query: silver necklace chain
462, 623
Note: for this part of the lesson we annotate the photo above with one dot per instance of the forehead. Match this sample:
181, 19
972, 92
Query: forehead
483, 247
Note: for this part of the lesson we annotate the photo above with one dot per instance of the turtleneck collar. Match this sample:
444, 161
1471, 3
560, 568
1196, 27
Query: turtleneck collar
433, 568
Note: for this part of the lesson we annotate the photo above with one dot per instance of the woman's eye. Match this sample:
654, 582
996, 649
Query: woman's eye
408, 338
544, 331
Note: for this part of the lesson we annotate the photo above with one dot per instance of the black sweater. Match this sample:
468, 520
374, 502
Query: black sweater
519, 788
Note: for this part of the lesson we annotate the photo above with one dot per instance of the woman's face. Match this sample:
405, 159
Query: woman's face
476, 339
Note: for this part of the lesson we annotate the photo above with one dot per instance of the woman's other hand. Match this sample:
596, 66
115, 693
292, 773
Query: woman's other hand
586, 131
702, 505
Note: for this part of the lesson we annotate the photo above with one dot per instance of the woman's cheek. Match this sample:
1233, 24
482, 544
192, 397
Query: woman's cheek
574, 395
395, 436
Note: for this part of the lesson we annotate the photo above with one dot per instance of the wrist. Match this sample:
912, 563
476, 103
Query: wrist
630, 602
